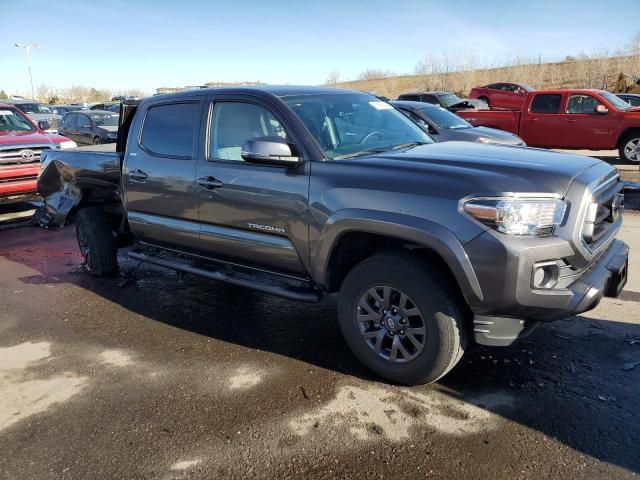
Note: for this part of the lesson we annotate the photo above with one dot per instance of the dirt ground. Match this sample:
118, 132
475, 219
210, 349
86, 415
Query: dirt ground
154, 376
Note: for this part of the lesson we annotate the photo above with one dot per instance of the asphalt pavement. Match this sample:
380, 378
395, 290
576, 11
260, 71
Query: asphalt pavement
151, 375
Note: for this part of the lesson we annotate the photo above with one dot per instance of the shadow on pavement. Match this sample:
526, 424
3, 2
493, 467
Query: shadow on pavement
569, 378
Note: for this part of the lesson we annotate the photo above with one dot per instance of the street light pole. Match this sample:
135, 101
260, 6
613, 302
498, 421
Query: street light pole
28, 50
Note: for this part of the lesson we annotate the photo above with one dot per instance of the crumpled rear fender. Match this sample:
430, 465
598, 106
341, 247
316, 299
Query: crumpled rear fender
68, 178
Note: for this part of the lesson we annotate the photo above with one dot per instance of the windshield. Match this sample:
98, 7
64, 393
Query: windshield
449, 99
445, 119
346, 125
33, 108
616, 102
13, 121
105, 119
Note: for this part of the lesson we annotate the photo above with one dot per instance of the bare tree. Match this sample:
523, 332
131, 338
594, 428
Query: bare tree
333, 78
634, 51
374, 74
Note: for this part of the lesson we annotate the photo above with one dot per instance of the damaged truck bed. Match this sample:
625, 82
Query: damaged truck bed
90, 174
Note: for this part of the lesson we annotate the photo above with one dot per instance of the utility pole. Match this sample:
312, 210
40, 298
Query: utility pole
28, 50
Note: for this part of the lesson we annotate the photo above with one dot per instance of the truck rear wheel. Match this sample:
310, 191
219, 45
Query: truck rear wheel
400, 320
96, 242
629, 147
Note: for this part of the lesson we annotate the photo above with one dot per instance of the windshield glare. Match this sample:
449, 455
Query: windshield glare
616, 102
449, 99
14, 122
445, 119
105, 120
33, 108
348, 124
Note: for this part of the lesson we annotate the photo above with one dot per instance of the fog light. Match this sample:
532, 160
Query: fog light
545, 276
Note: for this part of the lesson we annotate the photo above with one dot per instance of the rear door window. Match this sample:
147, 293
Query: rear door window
409, 98
546, 103
169, 130
430, 99
83, 121
70, 120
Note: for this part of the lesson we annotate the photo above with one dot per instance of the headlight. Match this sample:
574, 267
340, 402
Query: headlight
518, 215
112, 135
68, 144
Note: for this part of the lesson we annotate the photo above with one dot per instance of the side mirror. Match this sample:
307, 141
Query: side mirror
269, 151
601, 110
43, 125
431, 130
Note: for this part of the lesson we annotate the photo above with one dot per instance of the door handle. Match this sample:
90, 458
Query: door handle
531, 119
569, 120
210, 183
137, 174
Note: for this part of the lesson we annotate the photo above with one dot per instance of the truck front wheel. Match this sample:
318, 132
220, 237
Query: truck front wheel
96, 242
400, 320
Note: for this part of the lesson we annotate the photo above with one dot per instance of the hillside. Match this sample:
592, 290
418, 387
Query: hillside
585, 72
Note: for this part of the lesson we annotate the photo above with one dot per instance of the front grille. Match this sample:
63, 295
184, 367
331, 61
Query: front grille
603, 214
20, 178
21, 155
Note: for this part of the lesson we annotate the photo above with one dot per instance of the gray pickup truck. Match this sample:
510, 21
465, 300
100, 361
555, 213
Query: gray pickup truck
304, 191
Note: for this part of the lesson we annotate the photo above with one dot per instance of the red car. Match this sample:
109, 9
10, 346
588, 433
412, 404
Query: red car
502, 95
21, 142
572, 119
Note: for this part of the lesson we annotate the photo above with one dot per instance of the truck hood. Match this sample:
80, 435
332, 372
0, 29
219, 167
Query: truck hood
499, 136
471, 168
15, 138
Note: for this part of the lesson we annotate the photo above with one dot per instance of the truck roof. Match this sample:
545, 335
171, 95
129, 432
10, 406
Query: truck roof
277, 90
565, 90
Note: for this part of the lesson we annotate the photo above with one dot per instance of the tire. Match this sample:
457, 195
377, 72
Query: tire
96, 242
440, 311
97, 141
485, 100
625, 149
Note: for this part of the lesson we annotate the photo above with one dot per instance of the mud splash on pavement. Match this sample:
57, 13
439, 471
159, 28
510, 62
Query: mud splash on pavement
244, 378
370, 412
117, 358
22, 395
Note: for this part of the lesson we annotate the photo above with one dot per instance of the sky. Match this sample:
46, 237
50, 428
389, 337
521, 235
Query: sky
146, 44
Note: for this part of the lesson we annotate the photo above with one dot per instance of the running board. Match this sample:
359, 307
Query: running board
261, 282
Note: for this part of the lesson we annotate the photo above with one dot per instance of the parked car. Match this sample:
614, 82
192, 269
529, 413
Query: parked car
110, 107
444, 126
62, 109
447, 100
502, 95
305, 191
91, 127
632, 99
572, 119
37, 111
21, 143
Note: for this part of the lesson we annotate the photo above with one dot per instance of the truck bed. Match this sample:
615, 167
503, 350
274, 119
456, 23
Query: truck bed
506, 120
65, 175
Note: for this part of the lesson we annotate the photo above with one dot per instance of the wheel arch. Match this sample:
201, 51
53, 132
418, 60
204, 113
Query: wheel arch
349, 233
625, 133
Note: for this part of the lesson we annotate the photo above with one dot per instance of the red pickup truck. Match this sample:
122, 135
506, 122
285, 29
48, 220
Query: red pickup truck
21, 142
572, 119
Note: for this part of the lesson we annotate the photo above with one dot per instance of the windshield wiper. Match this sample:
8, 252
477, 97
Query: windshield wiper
360, 153
407, 145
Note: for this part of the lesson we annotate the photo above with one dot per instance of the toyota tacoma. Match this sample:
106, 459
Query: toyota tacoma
307, 191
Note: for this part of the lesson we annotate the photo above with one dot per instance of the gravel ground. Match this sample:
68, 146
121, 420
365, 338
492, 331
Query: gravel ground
154, 376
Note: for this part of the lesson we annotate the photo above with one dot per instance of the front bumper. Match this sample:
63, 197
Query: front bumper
512, 306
